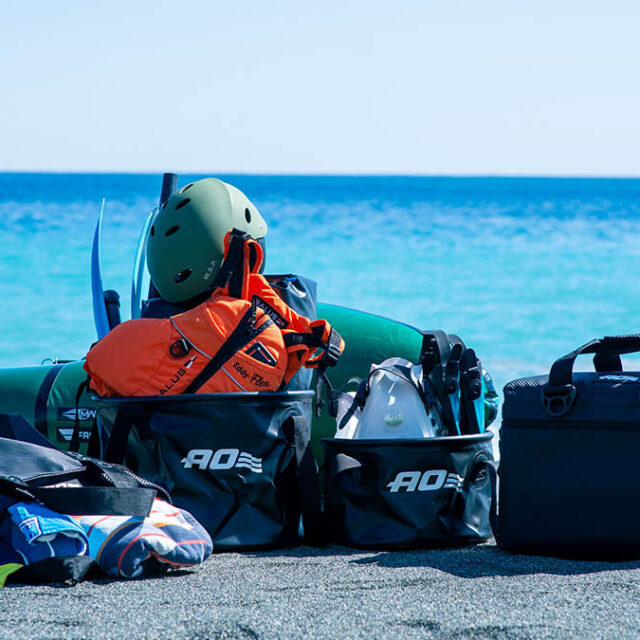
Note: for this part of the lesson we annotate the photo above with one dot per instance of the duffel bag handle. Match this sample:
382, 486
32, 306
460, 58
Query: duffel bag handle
559, 393
310, 497
127, 417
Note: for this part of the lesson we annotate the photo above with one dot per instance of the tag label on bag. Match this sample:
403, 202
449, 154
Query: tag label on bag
221, 459
431, 480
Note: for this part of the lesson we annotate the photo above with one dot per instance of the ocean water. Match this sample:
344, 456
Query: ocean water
524, 270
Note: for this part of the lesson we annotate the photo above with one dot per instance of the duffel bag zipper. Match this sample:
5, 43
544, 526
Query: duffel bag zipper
97, 466
56, 475
147, 484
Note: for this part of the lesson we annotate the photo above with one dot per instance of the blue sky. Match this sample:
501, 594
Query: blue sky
448, 87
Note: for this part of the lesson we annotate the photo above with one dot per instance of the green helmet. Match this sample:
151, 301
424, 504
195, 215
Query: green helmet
186, 242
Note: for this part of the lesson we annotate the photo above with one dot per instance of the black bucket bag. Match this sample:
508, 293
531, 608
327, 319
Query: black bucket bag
409, 493
241, 463
428, 492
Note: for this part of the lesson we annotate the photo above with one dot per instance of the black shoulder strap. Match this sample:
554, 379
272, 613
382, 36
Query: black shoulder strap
310, 500
244, 332
76, 501
470, 391
40, 412
75, 438
231, 269
435, 349
119, 437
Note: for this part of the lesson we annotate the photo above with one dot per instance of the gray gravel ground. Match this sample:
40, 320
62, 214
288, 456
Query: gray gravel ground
462, 594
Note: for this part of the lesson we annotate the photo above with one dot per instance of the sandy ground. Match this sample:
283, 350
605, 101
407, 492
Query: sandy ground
451, 594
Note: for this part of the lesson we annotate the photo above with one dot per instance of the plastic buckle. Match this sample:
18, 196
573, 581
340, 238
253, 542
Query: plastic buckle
180, 348
332, 354
558, 399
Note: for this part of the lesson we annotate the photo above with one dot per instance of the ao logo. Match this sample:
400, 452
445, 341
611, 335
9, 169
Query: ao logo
428, 481
221, 459
619, 378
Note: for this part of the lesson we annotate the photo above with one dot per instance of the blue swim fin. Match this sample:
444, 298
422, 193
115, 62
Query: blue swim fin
97, 292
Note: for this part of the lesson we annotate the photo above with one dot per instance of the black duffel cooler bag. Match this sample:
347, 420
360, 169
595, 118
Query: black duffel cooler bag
569, 470
430, 492
241, 463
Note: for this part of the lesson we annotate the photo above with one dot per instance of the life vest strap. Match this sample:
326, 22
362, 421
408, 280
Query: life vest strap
245, 331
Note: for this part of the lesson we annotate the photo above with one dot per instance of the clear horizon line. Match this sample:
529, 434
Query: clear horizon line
340, 174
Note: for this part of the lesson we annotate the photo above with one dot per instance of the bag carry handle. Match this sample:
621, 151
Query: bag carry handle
558, 395
126, 417
310, 497
78, 501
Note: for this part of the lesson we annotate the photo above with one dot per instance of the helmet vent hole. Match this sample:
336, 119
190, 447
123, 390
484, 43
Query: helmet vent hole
183, 203
153, 231
247, 215
186, 188
171, 231
183, 275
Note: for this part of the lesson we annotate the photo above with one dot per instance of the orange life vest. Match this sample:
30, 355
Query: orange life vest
243, 338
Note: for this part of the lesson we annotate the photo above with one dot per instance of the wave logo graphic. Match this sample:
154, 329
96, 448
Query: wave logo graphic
221, 459
249, 462
425, 481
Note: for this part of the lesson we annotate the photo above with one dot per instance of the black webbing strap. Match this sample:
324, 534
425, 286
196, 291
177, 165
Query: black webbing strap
362, 391
231, 269
608, 348
244, 332
94, 448
435, 349
306, 339
470, 391
435, 355
607, 362
75, 438
314, 339
451, 387
559, 394
452, 369
330, 358
331, 396
120, 430
40, 412
77, 501
310, 499
493, 508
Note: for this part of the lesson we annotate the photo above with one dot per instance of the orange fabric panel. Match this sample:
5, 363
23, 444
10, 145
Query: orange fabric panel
134, 359
149, 357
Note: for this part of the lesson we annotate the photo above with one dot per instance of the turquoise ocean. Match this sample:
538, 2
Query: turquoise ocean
523, 269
